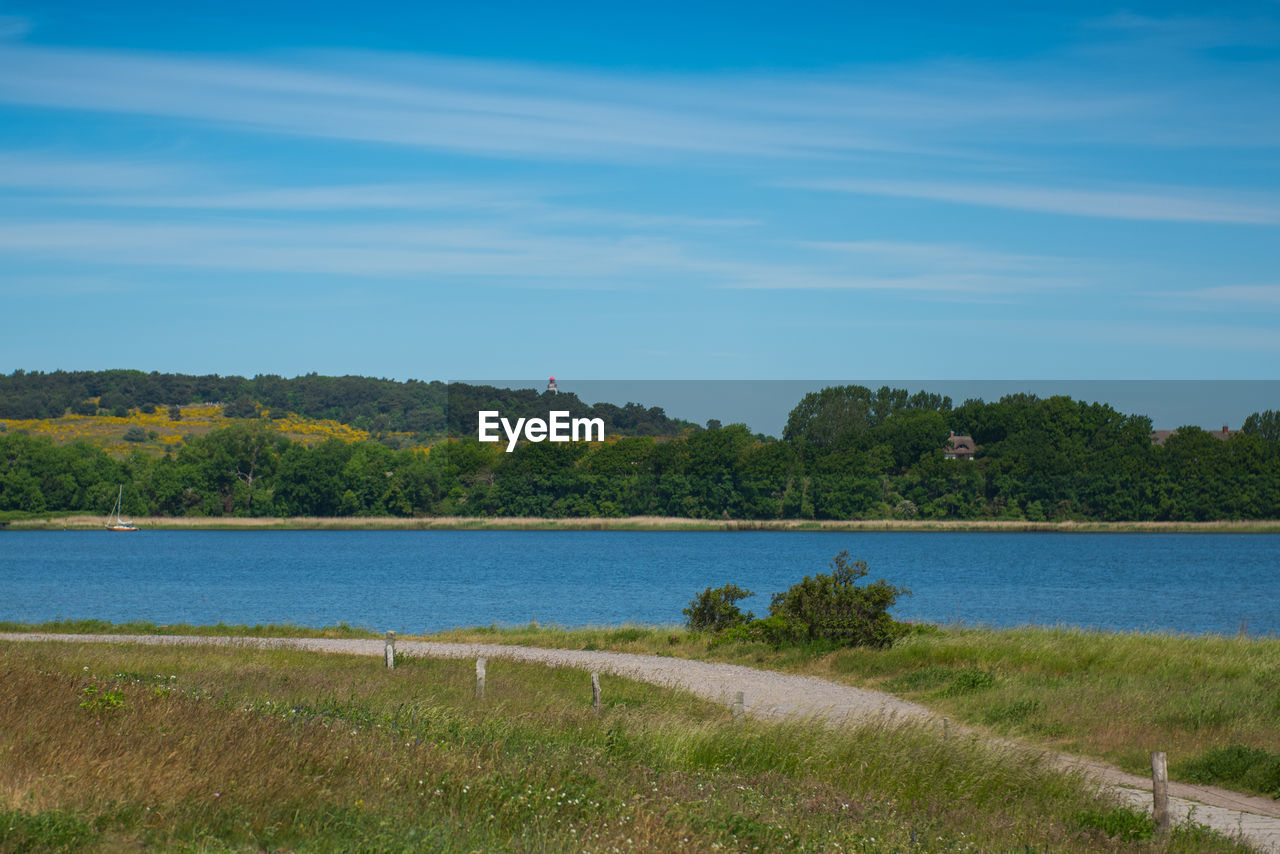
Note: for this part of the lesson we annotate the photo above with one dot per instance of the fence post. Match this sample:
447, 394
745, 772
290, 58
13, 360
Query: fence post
480, 663
946, 728
738, 705
1160, 791
390, 651
595, 692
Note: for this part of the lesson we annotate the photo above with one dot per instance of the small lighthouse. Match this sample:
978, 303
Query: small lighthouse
551, 386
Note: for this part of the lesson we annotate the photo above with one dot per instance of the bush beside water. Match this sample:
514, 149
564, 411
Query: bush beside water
821, 612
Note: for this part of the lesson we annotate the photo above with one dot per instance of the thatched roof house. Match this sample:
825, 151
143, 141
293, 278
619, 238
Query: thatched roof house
959, 447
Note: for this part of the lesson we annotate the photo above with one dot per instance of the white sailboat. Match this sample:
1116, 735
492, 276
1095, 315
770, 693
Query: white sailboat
114, 522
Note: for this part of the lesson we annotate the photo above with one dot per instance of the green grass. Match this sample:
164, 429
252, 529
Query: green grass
1113, 696
217, 749
1237, 766
143, 627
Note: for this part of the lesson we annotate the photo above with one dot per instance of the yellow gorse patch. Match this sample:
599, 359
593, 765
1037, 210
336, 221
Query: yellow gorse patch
107, 431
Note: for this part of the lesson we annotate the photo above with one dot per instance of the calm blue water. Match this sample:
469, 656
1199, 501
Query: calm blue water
413, 581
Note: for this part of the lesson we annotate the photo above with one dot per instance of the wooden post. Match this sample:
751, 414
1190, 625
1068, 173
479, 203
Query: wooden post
1160, 791
946, 728
595, 692
738, 705
480, 663
390, 651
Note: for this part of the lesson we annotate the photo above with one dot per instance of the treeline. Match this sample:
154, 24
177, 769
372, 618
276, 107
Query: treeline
380, 406
846, 453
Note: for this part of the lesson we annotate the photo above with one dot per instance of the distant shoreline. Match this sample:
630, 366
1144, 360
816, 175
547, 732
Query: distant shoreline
633, 523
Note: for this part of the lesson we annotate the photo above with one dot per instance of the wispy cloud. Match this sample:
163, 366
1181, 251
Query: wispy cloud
1174, 204
942, 270
1226, 296
940, 256
966, 286
529, 203
444, 105
1195, 32
42, 171
520, 110
514, 254
381, 250
490, 173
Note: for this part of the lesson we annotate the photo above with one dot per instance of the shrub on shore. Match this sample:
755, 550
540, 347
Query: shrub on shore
717, 610
827, 610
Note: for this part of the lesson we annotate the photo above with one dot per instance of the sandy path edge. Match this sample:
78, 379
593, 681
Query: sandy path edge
766, 694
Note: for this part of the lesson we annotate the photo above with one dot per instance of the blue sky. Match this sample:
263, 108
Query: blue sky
726, 191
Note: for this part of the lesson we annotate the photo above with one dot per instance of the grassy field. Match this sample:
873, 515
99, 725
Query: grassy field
223, 749
1212, 703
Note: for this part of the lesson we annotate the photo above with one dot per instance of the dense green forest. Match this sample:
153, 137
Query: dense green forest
847, 453
380, 406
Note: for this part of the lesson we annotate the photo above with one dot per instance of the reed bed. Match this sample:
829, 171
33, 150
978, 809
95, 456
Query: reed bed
106, 747
634, 523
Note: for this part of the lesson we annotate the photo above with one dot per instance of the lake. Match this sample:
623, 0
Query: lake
413, 581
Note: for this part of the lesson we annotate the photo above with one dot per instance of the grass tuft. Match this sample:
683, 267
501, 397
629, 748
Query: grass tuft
1250, 769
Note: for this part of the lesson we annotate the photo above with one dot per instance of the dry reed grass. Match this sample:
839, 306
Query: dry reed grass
641, 523
216, 749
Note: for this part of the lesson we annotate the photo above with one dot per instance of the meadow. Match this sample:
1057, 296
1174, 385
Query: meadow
1211, 702
108, 747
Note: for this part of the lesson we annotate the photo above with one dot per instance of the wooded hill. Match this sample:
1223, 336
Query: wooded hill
847, 453
378, 406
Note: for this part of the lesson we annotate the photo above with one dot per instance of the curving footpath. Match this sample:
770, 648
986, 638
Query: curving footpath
771, 695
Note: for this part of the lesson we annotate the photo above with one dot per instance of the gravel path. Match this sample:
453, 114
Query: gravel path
767, 694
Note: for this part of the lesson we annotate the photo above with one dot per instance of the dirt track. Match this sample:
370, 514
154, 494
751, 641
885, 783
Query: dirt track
768, 694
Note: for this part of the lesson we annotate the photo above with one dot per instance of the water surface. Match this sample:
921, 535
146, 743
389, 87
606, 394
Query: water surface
414, 581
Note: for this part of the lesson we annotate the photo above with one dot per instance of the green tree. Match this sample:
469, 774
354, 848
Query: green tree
241, 407
831, 608
713, 610
825, 418
911, 434
1265, 425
